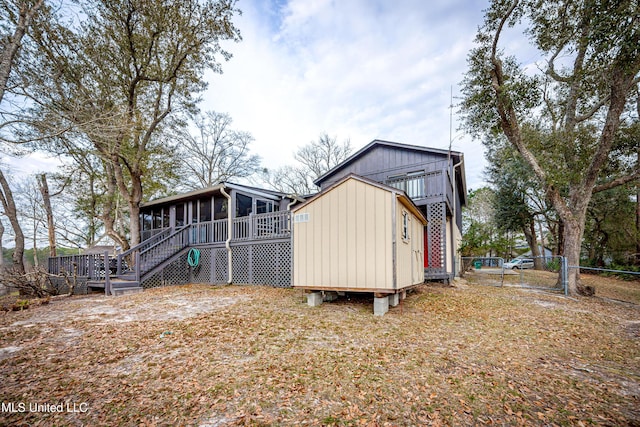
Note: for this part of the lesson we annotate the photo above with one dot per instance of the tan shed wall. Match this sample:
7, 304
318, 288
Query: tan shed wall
410, 258
347, 241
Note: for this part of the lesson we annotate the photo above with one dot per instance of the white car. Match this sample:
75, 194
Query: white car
519, 263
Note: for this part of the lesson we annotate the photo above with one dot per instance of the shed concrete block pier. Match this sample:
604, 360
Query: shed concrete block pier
380, 305
314, 299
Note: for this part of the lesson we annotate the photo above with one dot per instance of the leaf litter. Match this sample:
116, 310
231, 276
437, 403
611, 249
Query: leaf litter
206, 355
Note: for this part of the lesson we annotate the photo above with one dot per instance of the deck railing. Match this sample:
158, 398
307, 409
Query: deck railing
91, 266
436, 184
262, 226
149, 254
413, 185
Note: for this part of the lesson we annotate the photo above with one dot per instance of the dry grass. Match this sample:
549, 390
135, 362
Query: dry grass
218, 356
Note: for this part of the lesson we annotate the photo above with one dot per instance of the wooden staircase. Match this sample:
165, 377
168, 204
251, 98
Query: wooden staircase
148, 257
118, 285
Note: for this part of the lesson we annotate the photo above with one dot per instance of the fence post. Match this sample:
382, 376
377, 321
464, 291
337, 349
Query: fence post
565, 274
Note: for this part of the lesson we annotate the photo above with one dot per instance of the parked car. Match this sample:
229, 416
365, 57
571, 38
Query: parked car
519, 263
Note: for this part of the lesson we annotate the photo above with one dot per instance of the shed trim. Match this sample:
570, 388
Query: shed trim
394, 245
404, 199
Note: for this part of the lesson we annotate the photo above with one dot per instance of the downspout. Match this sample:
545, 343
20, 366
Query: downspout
227, 244
293, 200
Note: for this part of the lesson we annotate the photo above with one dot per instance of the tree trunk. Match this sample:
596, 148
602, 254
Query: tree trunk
637, 257
35, 246
108, 209
530, 234
44, 190
1, 248
10, 210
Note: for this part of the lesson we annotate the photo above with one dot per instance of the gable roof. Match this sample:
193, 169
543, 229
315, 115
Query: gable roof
402, 196
458, 158
377, 143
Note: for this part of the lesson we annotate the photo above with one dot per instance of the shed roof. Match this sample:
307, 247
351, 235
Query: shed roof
401, 195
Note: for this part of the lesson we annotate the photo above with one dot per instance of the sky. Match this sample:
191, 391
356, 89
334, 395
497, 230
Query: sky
355, 69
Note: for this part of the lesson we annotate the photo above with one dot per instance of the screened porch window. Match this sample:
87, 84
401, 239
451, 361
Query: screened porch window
157, 218
243, 205
165, 217
180, 214
205, 210
146, 221
220, 208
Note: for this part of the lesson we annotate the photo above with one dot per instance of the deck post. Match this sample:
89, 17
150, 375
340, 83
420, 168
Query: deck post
107, 279
137, 267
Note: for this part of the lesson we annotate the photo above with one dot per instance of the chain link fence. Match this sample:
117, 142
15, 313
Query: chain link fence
543, 272
550, 273
612, 284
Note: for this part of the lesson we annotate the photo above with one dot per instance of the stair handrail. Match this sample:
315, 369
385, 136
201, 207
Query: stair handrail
150, 242
185, 242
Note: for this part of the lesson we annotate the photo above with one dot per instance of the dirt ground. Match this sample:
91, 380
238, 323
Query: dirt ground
224, 356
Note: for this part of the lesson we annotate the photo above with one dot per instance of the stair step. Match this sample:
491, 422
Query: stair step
119, 283
126, 291
95, 284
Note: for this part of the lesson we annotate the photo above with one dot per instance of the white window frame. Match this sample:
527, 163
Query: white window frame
406, 221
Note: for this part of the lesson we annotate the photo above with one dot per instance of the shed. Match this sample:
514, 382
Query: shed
358, 235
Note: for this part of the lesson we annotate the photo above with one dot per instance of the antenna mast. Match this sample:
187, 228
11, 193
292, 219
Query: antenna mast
450, 125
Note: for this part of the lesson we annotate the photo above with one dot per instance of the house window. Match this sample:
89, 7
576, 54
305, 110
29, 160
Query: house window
157, 218
263, 206
165, 217
180, 215
194, 212
243, 205
205, 210
146, 221
405, 226
220, 208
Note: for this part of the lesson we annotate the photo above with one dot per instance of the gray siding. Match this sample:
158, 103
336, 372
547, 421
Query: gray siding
382, 162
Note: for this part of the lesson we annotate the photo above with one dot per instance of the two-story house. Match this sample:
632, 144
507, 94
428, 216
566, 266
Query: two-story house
231, 233
433, 178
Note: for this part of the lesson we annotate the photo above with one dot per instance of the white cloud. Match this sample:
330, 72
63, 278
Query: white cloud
357, 69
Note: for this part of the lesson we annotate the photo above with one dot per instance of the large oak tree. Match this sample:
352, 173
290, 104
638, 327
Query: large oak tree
574, 99
115, 80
